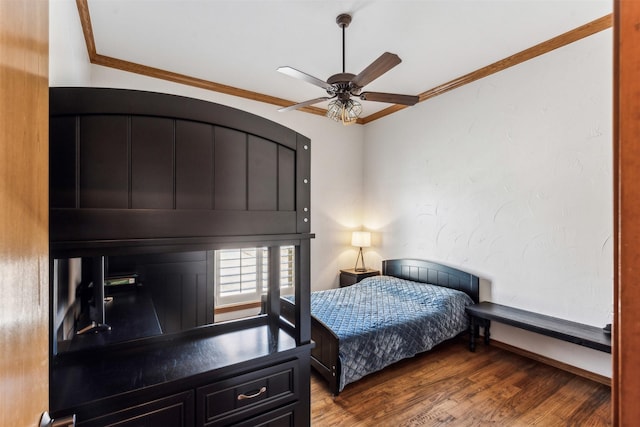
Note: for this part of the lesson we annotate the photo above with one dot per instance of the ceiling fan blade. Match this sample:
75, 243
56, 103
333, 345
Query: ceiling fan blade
292, 72
384, 63
304, 104
392, 98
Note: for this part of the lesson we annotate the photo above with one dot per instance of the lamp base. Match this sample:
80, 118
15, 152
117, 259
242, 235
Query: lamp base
360, 257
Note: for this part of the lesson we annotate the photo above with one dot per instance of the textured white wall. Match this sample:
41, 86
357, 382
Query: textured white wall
509, 177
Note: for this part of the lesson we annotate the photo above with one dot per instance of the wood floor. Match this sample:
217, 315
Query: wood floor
452, 386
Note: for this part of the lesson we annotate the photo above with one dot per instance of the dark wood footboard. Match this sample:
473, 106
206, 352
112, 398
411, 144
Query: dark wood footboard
324, 356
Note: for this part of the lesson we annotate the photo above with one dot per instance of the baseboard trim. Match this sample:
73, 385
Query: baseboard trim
556, 364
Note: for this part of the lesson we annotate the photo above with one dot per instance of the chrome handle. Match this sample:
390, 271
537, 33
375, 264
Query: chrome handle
252, 396
47, 421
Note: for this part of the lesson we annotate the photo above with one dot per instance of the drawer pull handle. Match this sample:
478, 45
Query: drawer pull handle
252, 396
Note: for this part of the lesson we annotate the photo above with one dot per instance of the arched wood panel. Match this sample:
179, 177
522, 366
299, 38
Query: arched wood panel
139, 165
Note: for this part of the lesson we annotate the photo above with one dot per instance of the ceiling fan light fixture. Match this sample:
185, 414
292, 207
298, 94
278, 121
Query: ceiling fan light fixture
346, 111
345, 85
351, 111
334, 110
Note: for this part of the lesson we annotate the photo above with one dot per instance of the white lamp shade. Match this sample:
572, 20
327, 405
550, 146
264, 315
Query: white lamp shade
361, 239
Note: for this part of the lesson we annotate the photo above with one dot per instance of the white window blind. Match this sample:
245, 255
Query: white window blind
287, 269
242, 275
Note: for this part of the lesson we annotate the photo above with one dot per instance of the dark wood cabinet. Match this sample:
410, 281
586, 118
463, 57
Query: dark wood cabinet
350, 276
239, 377
263, 394
156, 183
171, 411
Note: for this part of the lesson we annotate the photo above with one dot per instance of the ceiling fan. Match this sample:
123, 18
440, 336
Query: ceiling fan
343, 86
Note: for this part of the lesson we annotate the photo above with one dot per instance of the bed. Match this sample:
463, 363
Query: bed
413, 306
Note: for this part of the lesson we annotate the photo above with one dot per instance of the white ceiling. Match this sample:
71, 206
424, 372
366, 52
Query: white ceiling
241, 43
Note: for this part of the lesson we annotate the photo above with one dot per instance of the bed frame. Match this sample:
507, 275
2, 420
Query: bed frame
324, 357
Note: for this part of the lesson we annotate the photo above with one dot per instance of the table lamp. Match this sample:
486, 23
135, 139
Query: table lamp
361, 239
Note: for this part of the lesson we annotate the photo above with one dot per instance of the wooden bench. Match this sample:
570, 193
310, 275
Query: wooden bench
483, 313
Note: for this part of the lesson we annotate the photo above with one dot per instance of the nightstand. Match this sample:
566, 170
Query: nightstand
350, 276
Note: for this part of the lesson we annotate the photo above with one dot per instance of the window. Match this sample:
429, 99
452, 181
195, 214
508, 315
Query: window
287, 271
242, 275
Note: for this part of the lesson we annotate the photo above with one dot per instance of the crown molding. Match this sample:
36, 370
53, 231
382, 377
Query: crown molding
569, 37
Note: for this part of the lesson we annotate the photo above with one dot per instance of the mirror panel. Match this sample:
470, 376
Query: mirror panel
152, 294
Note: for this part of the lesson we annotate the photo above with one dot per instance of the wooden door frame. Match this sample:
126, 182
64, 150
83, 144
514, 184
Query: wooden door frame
626, 175
24, 211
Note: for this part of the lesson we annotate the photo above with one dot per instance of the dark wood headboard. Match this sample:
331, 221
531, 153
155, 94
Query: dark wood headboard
434, 273
137, 168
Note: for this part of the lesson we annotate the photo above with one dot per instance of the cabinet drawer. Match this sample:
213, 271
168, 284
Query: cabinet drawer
171, 411
280, 418
230, 401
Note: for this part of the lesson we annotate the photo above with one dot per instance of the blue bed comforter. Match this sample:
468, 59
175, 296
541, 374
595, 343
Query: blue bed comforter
383, 319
